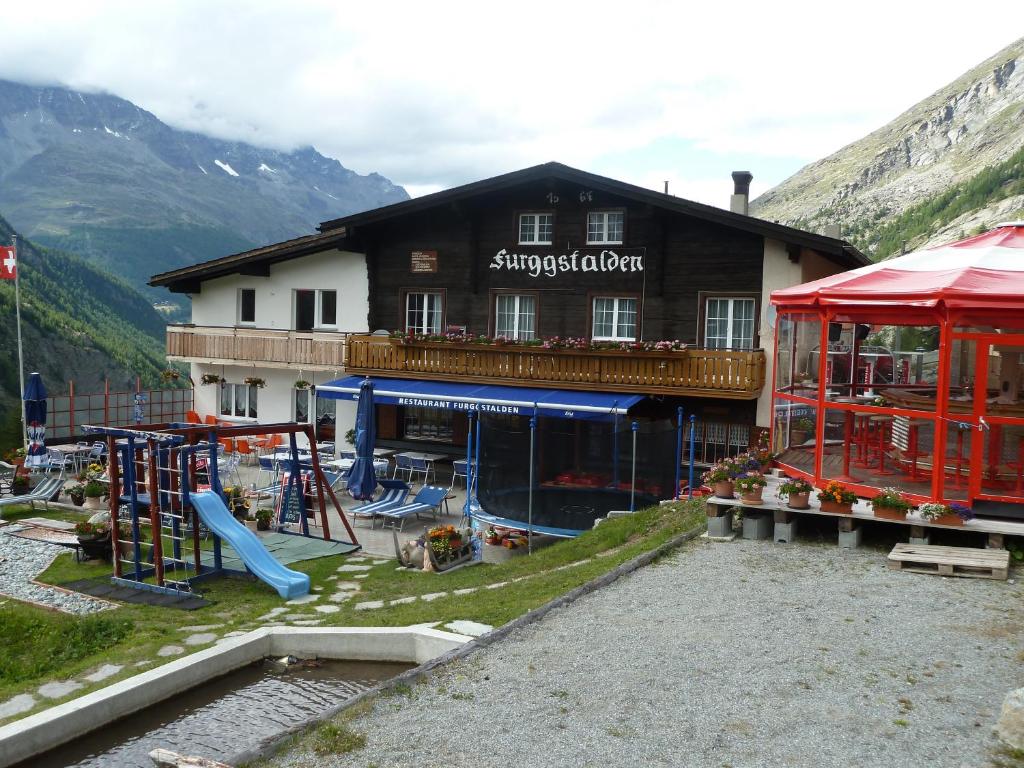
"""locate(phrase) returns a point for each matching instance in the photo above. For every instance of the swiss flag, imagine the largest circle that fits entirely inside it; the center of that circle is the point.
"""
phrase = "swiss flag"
(8, 262)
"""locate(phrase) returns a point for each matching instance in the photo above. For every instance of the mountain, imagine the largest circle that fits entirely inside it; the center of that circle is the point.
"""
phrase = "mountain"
(98, 176)
(949, 166)
(78, 323)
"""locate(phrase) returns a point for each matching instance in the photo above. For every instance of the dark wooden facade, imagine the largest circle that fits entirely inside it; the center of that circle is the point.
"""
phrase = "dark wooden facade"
(682, 256)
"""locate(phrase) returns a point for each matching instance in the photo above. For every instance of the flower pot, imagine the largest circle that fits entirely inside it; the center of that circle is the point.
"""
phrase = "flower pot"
(78, 500)
(251, 525)
(800, 500)
(724, 489)
(752, 497)
(838, 509)
(797, 437)
(950, 519)
(95, 546)
(262, 525)
(888, 513)
(93, 502)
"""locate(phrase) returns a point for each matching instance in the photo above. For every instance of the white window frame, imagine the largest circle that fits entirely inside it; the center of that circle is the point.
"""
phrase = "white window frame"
(517, 332)
(616, 309)
(536, 216)
(319, 316)
(232, 416)
(422, 327)
(241, 291)
(731, 320)
(604, 227)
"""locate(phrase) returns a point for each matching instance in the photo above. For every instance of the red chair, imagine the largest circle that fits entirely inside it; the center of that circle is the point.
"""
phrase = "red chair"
(192, 417)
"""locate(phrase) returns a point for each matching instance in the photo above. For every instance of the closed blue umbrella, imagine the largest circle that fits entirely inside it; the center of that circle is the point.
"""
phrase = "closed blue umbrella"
(35, 420)
(362, 479)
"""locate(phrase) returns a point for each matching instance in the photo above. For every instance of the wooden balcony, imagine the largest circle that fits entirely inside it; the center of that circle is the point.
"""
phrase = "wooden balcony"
(690, 373)
(270, 348)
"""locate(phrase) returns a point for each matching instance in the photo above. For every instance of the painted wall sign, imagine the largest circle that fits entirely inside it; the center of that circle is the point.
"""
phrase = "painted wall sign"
(423, 261)
(455, 405)
(551, 265)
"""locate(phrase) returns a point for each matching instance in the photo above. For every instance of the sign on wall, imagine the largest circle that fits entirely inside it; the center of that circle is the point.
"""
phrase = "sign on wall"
(608, 261)
(423, 261)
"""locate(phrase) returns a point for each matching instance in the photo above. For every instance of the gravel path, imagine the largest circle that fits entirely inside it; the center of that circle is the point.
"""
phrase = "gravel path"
(21, 560)
(741, 654)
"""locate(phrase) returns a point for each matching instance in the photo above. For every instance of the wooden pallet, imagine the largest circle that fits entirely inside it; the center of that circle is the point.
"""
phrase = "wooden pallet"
(951, 561)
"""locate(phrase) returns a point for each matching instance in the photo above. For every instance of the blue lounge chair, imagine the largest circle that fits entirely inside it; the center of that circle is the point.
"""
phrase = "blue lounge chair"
(44, 491)
(394, 495)
(427, 501)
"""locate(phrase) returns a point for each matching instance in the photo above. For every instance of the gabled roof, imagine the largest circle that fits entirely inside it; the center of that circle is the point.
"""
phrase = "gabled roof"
(255, 262)
(333, 233)
(840, 250)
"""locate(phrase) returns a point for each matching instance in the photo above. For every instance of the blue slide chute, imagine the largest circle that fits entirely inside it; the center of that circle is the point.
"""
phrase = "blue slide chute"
(215, 514)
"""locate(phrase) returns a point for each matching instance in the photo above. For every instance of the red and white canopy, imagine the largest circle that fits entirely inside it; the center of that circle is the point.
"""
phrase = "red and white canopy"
(983, 273)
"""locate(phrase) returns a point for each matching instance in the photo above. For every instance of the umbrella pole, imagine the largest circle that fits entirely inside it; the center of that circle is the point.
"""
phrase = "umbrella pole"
(21, 359)
(529, 514)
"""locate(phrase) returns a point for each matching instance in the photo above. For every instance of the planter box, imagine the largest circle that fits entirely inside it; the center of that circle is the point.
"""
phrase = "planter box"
(888, 513)
(838, 509)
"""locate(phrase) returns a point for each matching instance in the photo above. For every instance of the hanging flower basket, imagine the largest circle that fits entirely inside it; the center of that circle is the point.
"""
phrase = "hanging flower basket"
(302, 384)
(212, 378)
(255, 381)
(170, 375)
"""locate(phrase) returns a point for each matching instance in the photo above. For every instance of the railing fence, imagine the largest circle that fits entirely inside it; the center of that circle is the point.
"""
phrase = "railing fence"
(65, 414)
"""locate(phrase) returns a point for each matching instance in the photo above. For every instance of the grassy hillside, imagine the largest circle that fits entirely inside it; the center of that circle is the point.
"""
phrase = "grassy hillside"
(78, 323)
(884, 235)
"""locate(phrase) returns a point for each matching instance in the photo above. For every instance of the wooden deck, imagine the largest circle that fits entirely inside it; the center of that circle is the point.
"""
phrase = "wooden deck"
(691, 372)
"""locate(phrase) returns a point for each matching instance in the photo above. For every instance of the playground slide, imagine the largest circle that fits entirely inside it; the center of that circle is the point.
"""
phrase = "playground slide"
(288, 583)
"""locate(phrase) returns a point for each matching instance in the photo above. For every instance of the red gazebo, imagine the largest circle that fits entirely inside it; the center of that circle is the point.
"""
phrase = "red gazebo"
(919, 386)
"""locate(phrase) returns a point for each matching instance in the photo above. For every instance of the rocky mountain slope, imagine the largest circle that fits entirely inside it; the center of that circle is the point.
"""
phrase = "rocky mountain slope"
(98, 176)
(78, 323)
(949, 165)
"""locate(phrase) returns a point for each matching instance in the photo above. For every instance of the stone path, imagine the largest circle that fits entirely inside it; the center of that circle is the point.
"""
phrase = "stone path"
(21, 560)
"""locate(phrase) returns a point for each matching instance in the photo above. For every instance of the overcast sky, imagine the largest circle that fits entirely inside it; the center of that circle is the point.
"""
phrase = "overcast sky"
(436, 94)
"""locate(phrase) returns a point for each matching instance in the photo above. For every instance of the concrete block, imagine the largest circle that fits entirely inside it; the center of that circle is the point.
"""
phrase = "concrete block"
(850, 539)
(720, 527)
(757, 526)
(785, 533)
(926, 539)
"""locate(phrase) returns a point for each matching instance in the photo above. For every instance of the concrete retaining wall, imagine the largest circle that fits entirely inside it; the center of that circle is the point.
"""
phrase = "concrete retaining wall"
(55, 726)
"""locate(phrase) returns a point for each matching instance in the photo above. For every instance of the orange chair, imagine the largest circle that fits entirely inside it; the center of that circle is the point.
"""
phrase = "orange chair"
(192, 417)
(211, 420)
(228, 443)
(244, 450)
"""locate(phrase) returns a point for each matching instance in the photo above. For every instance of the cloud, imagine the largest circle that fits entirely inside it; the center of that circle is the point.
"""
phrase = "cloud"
(437, 94)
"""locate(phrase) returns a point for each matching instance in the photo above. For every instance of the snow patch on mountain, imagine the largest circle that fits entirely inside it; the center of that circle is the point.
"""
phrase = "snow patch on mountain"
(226, 168)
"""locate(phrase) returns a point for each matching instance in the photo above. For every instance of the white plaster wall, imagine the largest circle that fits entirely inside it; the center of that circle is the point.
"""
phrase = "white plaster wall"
(778, 272)
(275, 400)
(343, 271)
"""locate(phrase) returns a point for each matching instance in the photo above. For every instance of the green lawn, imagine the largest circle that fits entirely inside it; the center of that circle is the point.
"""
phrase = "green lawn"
(50, 646)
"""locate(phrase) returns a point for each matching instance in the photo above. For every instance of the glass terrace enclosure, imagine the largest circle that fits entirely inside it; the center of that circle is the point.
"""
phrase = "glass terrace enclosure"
(907, 373)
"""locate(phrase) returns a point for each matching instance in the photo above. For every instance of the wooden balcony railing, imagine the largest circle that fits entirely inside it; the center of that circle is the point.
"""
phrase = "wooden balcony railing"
(313, 351)
(693, 372)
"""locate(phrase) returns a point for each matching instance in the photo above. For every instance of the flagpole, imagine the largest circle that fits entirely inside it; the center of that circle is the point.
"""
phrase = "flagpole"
(21, 359)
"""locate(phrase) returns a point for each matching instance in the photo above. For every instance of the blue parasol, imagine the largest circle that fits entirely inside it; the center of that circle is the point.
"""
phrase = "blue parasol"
(362, 479)
(35, 421)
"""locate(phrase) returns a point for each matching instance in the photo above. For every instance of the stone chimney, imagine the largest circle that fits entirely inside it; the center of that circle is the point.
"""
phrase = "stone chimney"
(740, 200)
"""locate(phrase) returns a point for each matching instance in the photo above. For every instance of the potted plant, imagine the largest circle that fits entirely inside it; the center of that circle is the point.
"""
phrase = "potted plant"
(492, 537)
(170, 374)
(797, 491)
(941, 514)
(801, 430)
(255, 381)
(93, 492)
(721, 476)
(750, 487)
(763, 453)
(302, 384)
(890, 504)
(263, 518)
(836, 497)
(236, 502)
(15, 456)
(212, 378)
(76, 493)
(350, 437)
(19, 485)
(94, 539)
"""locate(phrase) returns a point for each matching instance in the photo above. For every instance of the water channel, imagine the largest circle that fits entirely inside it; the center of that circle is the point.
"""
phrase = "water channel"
(223, 717)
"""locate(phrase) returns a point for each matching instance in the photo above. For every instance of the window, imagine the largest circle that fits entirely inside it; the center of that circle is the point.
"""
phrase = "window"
(536, 228)
(605, 227)
(729, 323)
(515, 317)
(428, 424)
(247, 306)
(302, 406)
(423, 312)
(315, 309)
(238, 400)
(614, 319)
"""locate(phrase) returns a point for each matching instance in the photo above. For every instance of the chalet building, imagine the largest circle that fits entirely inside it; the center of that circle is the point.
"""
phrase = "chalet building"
(541, 261)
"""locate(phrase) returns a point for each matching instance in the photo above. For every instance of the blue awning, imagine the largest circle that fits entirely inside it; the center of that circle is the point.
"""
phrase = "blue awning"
(485, 398)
